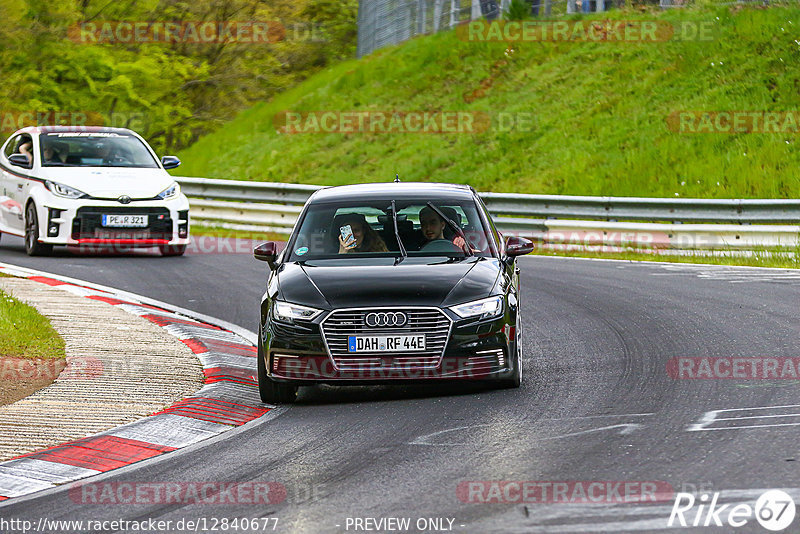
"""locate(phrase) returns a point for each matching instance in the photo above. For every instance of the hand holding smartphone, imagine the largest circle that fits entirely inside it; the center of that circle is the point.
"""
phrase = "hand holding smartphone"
(347, 238)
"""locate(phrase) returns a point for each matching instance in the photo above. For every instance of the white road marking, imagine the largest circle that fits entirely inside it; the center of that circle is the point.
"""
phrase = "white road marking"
(711, 417)
(627, 428)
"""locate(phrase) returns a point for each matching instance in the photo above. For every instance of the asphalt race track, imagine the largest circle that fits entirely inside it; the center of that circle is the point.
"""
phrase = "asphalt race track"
(597, 405)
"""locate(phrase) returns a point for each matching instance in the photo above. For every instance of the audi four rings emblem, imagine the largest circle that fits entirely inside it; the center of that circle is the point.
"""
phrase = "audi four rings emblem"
(386, 319)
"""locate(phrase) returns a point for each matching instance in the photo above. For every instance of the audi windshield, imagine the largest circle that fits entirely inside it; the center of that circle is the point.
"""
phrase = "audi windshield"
(391, 228)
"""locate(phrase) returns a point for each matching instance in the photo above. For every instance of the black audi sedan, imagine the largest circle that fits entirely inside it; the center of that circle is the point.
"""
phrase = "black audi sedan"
(390, 283)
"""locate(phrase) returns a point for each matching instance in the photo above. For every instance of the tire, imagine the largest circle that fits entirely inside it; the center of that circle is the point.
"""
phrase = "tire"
(172, 250)
(32, 245)
(515, 380)
(272, 392)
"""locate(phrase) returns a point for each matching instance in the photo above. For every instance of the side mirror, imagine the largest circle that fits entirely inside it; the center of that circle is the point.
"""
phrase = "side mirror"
(20, 160)
(518, 246)
(170, 162)
(266, 252)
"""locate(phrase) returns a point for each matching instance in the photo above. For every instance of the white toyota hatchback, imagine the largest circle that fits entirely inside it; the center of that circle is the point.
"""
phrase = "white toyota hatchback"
(90, 186)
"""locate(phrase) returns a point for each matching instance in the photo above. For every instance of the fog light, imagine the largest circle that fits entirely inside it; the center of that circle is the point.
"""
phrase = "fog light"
(183, 224)
(52, 224)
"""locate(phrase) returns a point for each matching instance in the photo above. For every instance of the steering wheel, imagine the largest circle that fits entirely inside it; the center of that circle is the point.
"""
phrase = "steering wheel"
(440, 245)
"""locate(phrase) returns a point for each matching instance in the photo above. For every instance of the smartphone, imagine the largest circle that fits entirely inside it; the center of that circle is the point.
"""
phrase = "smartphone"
(347, 233)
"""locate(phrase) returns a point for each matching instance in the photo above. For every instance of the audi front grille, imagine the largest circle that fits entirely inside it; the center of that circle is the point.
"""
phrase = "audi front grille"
(341, 324)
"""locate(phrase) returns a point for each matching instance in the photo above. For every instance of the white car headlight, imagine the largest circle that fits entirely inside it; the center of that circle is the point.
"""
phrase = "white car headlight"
(285, 311)
(170, 192)
(62, 190)
(483, 309)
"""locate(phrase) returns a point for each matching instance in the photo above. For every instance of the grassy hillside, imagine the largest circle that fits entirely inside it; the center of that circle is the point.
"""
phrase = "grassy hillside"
(600, 114)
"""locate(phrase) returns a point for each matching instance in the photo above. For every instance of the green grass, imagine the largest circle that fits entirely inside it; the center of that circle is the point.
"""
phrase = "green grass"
(759, 259)
(599, 113)
(216, 231)
(25, 333)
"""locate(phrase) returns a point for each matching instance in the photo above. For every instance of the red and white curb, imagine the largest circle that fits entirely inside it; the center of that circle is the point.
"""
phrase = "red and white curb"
(229, 398)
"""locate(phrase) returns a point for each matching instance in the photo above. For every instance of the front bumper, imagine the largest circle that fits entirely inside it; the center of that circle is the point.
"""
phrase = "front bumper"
(79, 223)
(475, 350)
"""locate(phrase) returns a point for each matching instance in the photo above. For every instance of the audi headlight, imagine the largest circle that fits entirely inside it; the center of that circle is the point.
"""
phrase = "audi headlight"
(287, 312)
(170, 192)
(481, 309)
(62, 190)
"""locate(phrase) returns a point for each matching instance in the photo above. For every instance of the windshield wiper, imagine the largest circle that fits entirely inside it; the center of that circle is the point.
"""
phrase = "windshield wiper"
(403, 251)
(467, 244)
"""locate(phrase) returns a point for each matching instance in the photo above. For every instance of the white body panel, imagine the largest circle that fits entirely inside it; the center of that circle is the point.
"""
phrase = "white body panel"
(103, 188)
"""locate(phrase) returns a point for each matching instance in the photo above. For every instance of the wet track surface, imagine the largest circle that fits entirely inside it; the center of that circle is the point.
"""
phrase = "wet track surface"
(597, 405)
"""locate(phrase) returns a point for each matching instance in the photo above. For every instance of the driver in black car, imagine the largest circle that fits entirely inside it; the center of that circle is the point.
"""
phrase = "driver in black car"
(432, 226)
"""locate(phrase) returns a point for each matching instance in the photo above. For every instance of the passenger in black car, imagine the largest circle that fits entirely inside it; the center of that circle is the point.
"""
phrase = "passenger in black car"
(365, 238)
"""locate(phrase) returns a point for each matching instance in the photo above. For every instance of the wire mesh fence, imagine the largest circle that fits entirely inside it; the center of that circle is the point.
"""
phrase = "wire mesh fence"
(387, 22)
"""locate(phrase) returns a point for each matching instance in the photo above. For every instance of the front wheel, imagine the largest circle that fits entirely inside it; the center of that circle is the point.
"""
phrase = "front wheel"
(515, 380)
(172, 250)
(32, 245)
(272, 392)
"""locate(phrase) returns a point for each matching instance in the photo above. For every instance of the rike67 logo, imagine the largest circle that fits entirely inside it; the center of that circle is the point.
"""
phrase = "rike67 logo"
(774, 510)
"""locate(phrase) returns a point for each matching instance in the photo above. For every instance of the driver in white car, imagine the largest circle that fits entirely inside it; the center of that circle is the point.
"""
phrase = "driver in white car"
(106, 152)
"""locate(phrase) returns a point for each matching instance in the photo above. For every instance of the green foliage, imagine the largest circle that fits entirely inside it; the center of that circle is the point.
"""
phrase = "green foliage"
(171, 92)
(518, 10)
(599, 113)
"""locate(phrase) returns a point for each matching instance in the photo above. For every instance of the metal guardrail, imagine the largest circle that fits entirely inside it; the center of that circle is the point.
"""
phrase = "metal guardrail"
(568, 220)
(645, 209)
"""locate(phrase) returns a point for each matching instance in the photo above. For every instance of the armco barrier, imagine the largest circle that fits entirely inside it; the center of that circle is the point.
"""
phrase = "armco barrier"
(686, 224)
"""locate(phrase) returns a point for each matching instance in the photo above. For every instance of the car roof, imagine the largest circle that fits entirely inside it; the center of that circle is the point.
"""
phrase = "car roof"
(64, 129)
(395, 190)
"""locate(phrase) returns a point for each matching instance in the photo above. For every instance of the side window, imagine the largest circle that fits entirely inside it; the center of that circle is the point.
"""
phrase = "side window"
(17, 142)
(11, 146)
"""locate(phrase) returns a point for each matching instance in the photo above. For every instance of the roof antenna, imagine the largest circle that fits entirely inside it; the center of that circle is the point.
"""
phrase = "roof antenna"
(397, 178)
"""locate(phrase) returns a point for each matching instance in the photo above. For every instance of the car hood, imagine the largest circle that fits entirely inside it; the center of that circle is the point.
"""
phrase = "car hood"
(111, 182)
(430, 282)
